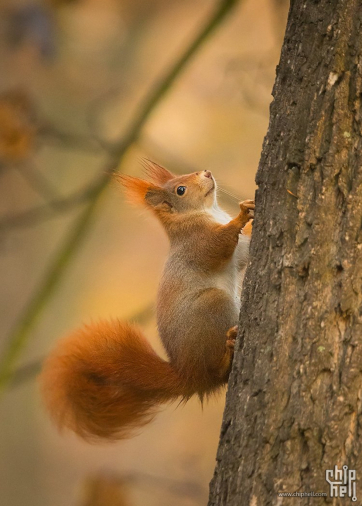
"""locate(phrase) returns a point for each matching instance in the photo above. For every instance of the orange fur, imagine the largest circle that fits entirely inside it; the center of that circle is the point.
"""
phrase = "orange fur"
(136, 189)
(157, 173)
(104, 380)
(247, 230)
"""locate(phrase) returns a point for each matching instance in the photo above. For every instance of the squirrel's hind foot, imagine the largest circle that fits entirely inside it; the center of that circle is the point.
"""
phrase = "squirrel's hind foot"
(227, 359)
(232, 333)
(231, 336)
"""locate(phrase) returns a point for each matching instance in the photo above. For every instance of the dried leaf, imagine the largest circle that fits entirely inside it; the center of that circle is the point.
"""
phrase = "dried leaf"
(17, 126)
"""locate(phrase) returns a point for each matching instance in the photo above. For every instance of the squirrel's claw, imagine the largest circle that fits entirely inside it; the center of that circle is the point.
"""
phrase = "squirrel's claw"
(249, 204)
(247, 207)
(246, 212)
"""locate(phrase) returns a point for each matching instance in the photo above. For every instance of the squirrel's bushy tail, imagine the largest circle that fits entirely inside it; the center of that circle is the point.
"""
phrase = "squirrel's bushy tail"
(105, 379)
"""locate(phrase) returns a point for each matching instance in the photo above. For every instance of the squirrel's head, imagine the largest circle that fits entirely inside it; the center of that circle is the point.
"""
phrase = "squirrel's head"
(176, 194)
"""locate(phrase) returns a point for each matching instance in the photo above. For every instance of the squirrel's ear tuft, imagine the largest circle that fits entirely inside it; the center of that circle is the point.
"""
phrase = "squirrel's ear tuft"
(140, 191)
(136, 189)
(156, 173)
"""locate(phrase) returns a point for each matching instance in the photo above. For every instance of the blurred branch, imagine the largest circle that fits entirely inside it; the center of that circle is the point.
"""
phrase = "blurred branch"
(50, 133)
(49, 210)
(37, 181)
(28, 371)
(109, 489)
(58, 206)
(94, 113)
(27, 321)
(104, 490)
(187, 489)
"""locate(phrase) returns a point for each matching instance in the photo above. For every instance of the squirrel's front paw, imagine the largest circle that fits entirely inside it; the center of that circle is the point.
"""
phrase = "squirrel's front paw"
(246, 211)
(247, 207)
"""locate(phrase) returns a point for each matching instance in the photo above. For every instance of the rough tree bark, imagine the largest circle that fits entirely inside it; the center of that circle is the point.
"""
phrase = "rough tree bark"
(295, 393)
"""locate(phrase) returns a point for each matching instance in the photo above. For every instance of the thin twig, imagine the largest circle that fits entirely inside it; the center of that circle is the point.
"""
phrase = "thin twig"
(27, 321)
(56, 207)
(37, 181)
(30, 370)
(52, 134)
(51, 209)
(190, 489)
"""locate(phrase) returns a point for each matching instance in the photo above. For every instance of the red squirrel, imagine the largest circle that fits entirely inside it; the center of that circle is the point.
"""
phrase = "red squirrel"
(104, 379)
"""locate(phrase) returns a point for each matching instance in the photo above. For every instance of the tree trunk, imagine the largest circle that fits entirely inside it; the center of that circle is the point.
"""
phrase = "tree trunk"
(294, 403)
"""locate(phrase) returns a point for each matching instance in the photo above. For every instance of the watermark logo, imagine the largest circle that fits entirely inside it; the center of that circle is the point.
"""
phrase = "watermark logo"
(342, 482)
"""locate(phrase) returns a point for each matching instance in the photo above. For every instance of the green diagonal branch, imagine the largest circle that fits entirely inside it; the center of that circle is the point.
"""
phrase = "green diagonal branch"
(27, 321)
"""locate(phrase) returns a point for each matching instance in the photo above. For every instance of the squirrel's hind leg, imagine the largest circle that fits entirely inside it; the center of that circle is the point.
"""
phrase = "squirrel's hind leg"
(227, 359)
(232, 333)
(231, 336)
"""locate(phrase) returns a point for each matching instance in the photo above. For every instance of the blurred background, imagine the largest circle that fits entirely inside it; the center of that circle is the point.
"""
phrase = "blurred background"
(73, 76)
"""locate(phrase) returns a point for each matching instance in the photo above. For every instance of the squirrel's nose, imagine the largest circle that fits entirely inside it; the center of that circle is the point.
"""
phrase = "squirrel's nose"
(207, 173)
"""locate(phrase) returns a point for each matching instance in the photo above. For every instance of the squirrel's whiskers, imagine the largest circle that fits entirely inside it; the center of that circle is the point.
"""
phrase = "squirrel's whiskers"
(228, 193)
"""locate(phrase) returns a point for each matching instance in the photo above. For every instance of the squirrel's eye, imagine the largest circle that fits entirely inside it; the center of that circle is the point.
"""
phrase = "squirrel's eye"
(181, 190)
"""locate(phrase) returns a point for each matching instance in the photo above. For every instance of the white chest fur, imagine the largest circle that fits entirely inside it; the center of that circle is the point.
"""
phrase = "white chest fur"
(228, 279)
(219, 215)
